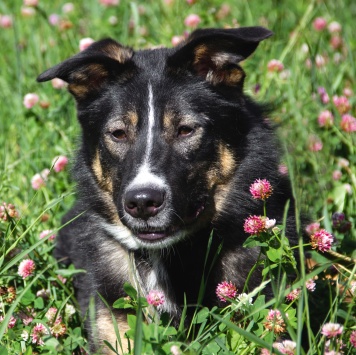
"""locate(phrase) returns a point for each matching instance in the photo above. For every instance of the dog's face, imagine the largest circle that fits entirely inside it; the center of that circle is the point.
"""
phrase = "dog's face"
(161, 130)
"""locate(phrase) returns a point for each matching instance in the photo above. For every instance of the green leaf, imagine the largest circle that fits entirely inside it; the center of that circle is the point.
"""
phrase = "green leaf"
(169, 331)
(53, 344)
(292, 319)
(39, 303)
(258, 304)
(74, 339)
(211, 349)
(247, 335)
(201, 316)
(3, 350)
(253, 241)
(77, 332)
(131, 321)
(275, 255)
(143, 301)
(28, 298)
(234, 339)
(341, 313)
(130, 290)
(222, 327)
(338, 195)
(128, 306)
(122, 304)
(69, 272)
(267, 269)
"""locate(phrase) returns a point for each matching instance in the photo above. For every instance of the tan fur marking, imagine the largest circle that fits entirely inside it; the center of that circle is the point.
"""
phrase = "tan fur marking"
(117, 52)
(78, 90)
(111, 208)
(227, 161)
(169, 124)
(200, 52)
(88, 79)
(133, 117)
(222, 171)
(210, 63)
(105, 331)
(212, 177)
(115, 256)
(230, 77)
(96, 166)
(167, 120)
(106, 184)
(236, 76)
(104, 181)
(227, 167)
(98, 70)
(221, 193)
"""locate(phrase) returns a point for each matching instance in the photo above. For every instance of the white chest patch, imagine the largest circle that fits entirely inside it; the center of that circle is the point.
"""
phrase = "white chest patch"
(158, 280)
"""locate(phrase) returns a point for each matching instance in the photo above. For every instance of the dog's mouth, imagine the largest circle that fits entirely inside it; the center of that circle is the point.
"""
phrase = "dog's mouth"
(154, 235)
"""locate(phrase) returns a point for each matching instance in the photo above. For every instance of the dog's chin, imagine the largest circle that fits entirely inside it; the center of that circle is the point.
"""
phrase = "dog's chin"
(136, 235)
(159, 232)
(170, 234)
(145, 239)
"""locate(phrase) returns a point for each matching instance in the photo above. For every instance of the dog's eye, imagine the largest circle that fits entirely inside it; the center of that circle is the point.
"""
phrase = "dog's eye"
(119, 134)
(184, 131)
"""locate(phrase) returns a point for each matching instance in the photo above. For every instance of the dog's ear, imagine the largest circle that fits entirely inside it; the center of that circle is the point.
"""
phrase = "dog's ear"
(214, 53)
(88, 70)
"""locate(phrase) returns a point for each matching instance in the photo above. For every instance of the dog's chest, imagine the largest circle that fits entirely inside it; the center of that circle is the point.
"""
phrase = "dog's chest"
(152, 275)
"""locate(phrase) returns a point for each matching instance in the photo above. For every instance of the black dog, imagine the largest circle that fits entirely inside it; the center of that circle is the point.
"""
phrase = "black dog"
(170, 146)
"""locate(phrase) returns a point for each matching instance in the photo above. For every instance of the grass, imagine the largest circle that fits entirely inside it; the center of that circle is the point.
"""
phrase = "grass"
(323, 174)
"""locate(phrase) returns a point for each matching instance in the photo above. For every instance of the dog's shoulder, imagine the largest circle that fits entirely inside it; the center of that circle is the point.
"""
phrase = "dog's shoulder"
(80, 237)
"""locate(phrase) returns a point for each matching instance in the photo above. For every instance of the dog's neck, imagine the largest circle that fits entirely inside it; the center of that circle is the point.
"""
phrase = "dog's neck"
(179, 271)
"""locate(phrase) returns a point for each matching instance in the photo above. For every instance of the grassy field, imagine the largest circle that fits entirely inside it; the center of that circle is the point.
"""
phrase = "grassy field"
(306, 71)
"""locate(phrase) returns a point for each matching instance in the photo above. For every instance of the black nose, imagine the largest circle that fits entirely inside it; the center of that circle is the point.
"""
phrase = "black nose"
(143, 203)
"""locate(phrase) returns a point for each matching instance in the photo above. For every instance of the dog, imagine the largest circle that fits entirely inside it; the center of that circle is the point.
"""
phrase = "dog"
(170, 145)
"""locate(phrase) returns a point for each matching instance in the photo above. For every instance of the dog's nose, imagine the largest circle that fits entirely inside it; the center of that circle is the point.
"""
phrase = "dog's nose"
(144, 203)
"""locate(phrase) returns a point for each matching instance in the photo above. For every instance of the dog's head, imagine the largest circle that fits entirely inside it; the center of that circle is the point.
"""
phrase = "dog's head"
(163, 131)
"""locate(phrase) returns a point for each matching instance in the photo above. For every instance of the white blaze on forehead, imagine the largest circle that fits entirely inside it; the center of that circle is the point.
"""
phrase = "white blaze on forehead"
(144, 176)
(151, 123)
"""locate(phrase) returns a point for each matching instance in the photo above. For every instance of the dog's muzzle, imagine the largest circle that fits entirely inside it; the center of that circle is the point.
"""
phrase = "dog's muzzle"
(144, 203)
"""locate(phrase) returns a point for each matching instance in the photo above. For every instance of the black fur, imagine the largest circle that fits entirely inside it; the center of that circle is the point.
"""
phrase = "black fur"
(209, 139)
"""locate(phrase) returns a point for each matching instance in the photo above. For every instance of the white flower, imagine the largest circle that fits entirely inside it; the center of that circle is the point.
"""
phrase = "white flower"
(269, 223)
(84, 43)
(24, 335)
(353, 287)
(245, 299)
(69, 310)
